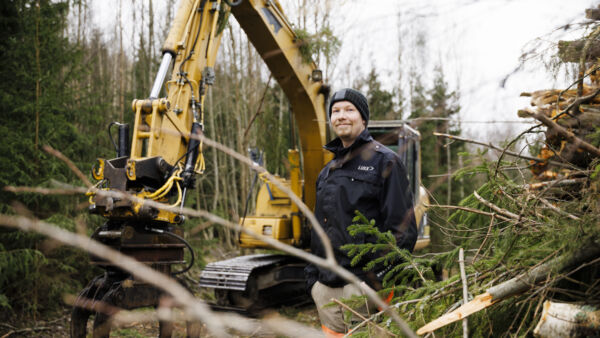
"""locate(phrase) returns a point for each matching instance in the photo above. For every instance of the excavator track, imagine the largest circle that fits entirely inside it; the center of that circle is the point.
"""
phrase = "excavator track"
(253, 283)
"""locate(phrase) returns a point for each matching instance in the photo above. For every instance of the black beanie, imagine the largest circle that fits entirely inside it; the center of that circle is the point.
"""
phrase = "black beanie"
(353, 96)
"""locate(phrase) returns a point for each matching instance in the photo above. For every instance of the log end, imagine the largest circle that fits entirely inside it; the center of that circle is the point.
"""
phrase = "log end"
(567, 320)
(524, 113)
(477, 304)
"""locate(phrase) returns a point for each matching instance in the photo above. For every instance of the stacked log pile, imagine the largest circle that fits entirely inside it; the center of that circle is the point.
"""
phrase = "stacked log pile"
(576, 109)
(577, 114)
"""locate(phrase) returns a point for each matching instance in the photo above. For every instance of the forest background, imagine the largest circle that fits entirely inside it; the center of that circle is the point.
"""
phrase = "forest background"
(65, 81)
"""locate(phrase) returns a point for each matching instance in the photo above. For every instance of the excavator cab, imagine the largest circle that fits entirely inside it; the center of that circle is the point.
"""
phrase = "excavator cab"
(405, 141)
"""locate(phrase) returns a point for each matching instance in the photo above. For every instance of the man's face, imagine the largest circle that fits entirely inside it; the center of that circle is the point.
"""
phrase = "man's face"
(346, 121)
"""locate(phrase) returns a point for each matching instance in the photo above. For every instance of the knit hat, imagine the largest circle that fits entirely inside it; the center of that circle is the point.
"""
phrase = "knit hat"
(353, 96)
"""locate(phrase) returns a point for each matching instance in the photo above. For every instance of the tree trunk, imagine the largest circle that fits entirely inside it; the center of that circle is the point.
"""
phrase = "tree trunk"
(527, 280)
(568, 320)
(38, 77)
(592, 13)
(151, 64)
(215, 158)
(121, 104)
(449, 173)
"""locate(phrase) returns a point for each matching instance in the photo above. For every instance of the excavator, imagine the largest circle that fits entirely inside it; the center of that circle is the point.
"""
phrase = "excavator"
(164, 155)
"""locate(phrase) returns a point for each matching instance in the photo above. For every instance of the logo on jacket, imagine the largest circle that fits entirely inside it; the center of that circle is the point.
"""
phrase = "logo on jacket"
(366, 167)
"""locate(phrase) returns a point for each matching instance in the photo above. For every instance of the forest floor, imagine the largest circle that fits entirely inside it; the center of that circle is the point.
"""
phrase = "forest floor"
(59, 326)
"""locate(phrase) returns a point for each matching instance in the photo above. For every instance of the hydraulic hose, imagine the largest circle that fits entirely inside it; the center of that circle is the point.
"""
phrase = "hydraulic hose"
(181, 239)
(123, 138)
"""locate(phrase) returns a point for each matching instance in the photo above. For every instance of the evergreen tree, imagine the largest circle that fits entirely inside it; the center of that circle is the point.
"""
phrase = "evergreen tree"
(435, 110)
(381, 101)
(43, 104)
(443, 107)
(383, 104)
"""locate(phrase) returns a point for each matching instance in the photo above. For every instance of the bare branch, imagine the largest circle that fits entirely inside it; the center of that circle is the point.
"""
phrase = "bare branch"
(45, 191)
(364, 322)
(262, 100)
(510, 153)
(289, 328)
(94, 305)
(69, 163)
(271, 324)
(486, 237)
(583, 99)
(22, 331)
(463, 277)
(579, 101)
(495, 207)
(473, 210)
(552, 207)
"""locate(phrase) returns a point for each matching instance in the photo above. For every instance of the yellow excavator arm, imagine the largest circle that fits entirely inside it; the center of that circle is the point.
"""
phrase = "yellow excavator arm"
(273, 37)
(163, 158)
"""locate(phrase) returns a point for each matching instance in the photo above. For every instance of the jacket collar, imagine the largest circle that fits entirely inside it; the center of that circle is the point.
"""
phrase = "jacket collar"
(338, 149)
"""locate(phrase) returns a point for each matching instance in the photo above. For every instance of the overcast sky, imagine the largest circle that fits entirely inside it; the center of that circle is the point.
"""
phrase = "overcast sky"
(478, 43)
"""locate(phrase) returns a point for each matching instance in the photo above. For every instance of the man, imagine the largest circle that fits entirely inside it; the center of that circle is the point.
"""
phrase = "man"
(365, 176)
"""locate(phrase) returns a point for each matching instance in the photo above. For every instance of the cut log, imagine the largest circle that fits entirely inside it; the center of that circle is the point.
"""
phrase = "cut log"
(592, 13)
(588, 120)
(514, 286)
(568, 320)
(570, 51)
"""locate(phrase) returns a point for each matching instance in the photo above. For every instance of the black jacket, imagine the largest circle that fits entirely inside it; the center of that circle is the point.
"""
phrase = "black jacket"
(370, 178)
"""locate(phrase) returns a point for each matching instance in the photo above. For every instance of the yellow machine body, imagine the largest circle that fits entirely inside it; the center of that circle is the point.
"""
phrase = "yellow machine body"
(275, 215)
